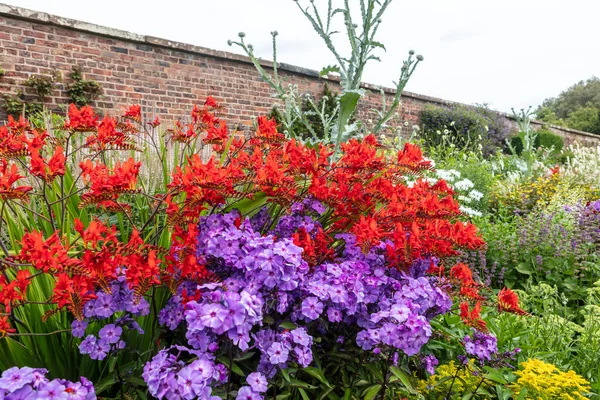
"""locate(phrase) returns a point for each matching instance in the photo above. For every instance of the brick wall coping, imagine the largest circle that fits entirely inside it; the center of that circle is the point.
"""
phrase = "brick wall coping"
(49, 19)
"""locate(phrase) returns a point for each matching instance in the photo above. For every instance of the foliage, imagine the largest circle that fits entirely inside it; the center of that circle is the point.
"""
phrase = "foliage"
(577, 107)
(43, 85)
(542, 380)
(325, 107)
(82, 91)
(363, 46)
(464, 127)
(17, 104)
(585, 119)
(543, 138)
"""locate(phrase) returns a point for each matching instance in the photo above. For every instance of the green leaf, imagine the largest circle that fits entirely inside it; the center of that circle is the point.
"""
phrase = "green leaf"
(494, 375)
(403, 378)
(288, 325)
(303, 394)
(371, 392)
(377, 44)
(524, 268)
(317, 373)
(522, 394)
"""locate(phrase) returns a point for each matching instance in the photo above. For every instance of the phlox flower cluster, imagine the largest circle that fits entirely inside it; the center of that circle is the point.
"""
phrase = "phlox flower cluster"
(170, 377)
(263, 276)
(31, 383)
(120, 299)
(481, 345)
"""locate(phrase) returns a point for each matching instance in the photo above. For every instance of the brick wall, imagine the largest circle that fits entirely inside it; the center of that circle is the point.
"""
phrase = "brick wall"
(165, 77)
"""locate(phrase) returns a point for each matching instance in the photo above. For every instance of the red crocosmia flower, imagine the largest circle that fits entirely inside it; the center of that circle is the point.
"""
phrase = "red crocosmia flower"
(509, 301)
(20, 126)
(5, 327)
(134, 112)
(106, 185)
(463, 273)
(108, 137)
(8, 176)
(472, 318)
(37, 142)
(154, 123)
(73, 293)
(412, 157)
(22, 281)
(47, 255)
(12, 143)
(267, 130)
(83, 120)
(217, 135)
(210, 102)
(367, 232)
(55, 166)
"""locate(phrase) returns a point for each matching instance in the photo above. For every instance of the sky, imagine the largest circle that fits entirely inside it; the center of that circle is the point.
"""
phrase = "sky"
(509, 53)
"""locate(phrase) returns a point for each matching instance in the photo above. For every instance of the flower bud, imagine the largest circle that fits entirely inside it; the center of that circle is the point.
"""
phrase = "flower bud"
(420, 57)
(229, 42)
(241, 34)
(411, 52)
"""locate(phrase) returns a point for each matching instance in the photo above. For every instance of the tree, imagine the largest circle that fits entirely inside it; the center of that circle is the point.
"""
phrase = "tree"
(578, 107)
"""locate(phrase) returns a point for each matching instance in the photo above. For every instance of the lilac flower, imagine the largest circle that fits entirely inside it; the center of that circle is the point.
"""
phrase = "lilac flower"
(312, 308)
(278, 354)
(257, 381)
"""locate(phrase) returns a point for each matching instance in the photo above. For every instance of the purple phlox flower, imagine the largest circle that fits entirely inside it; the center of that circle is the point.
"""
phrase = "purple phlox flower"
(481, 345)
(278, 353)
(304, 356)
(88, 345)
(429, 362)
(213, 315)
(25, 393)
(110, 333)
(52, 390)
(78, 328)
(191, 382)
(334, 314)
(246, 393)
(15, 378)
(257, 381)
(104, 306)
(312, 308)
(100, 351)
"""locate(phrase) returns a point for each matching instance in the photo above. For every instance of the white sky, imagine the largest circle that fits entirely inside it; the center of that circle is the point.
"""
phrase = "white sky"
(507, 53)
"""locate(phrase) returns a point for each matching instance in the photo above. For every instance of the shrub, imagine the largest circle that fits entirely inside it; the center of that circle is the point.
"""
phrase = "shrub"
(544, 138)
(466, 127)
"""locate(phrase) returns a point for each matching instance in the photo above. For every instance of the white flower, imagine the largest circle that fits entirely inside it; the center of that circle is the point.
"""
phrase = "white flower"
(470, 212)
(465, 184)
(475, 195)
(464, 199)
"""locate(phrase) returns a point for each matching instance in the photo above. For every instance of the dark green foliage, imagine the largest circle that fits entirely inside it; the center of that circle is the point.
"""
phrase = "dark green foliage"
(578, 107)
(550, 140)
(327, 99)
(43, 84)
(544, 138)
(82, 91)
(467, 127)
(16, 105)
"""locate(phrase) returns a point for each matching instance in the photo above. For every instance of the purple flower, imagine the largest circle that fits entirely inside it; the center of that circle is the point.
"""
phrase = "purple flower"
(246, 393)
(110, 333)
(88, 344)
(278, 354)
(104, 306)
(15, 378)
(482, 345)
(52, 390)
(191, 382)
(78, 328)
(312, 308)
(213, 315)
(257, 381)
(429, 362)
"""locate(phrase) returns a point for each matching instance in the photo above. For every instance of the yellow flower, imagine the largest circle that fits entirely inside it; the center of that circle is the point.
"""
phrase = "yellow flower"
(544, 381)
